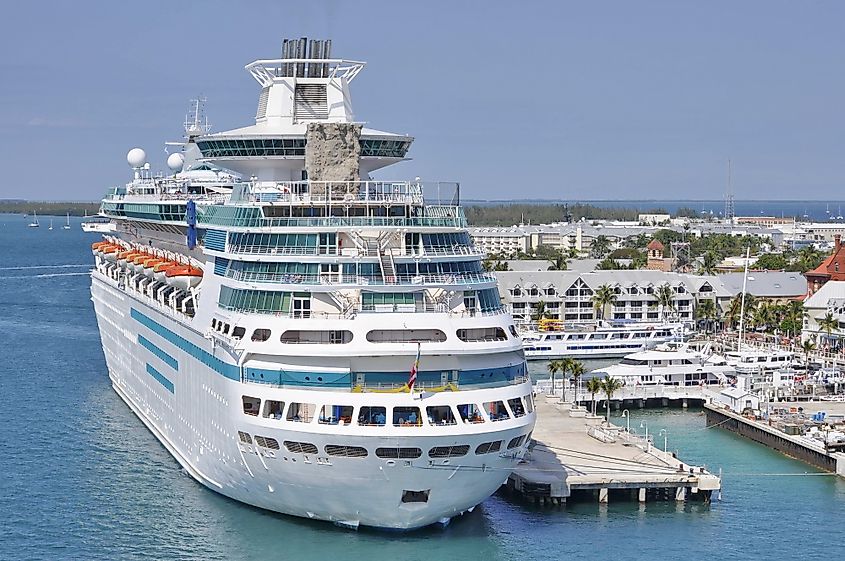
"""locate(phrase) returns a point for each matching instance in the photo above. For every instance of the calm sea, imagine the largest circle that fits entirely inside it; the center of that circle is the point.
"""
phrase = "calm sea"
(83, 479)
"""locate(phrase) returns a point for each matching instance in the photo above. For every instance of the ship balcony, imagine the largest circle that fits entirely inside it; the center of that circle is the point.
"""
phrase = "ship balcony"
(348, 193)
(335, 281)
(355, 252)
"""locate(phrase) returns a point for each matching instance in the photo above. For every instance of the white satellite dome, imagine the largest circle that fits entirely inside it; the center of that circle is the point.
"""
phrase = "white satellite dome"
(136, 158)
(175, 162)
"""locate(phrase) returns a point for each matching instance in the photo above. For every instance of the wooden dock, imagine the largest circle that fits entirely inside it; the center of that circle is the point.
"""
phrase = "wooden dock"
(575, 456)
(801, 448)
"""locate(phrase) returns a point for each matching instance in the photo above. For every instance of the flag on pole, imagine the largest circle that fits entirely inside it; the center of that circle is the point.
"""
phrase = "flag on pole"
(412, 379)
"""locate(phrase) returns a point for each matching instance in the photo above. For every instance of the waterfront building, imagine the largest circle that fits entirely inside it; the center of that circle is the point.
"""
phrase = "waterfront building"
(829, 299)
(831, 269)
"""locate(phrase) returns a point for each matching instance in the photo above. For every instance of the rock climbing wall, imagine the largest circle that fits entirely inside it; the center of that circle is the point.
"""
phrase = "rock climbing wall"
(332, 153)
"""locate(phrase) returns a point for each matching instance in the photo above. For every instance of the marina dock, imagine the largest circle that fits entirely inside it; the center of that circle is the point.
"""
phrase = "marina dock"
(575, 456)
(803, 448)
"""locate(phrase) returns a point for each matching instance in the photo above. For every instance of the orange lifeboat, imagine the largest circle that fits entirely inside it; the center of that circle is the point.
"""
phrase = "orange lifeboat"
(183, 276)
(110, 251)
(136, 263)
(124, 256)
(149, 265)
(160, 269)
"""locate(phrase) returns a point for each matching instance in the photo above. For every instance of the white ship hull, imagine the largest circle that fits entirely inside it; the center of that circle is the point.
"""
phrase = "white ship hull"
(199, 425)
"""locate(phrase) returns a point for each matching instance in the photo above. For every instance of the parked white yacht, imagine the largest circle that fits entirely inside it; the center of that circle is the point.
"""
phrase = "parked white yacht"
(601, 341)
(327, 347)
(671, 364)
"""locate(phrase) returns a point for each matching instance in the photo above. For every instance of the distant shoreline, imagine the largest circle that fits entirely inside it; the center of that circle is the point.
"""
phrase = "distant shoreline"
(50, 208)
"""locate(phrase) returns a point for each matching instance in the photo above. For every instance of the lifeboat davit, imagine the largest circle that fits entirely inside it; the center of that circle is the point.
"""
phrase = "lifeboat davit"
(160, 269)
(183, 276)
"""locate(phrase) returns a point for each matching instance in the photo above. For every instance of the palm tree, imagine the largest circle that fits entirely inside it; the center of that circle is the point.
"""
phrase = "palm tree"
(807, 346)
(708, 263)
(665, 297)
(603, 296)
(706, 310)
(610, 386)
(793, 318)
(594, 386)
(577, 370)
(734, 310)
(829, 324)
(600, 246)
(554, 367)
(558, 261)
(540, 311)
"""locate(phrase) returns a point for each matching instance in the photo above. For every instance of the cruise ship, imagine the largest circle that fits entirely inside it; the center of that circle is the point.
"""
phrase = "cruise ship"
(300, 336)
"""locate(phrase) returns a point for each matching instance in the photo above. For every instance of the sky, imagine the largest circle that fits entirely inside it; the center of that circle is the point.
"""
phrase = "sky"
(545, 100)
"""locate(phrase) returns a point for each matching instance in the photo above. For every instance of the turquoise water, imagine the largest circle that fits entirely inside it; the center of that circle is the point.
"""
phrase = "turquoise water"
(83, 479)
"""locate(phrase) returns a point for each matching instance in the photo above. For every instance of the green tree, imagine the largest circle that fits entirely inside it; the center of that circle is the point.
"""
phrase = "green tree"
(829, 324)
(603, 297)
(610, 386)
(540, 311)
(665, 297)
(577, 370)
(771, 262)
(708, 263)
(706, 311)
(808, 347)
(793, 318)
(594, 386)
(600, 246)
(608, 264)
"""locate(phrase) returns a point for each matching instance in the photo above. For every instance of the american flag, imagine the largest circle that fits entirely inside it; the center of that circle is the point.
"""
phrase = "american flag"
(412, 379)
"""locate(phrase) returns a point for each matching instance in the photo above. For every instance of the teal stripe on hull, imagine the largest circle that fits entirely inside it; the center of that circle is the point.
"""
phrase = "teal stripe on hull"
(160, 378)
(166, 358)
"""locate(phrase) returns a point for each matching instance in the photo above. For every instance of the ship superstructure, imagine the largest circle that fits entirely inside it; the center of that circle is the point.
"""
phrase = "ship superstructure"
(262, 306)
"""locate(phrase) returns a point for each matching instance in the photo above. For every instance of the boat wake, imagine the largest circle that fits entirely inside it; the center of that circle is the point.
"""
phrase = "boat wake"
(44, 275)
(26, 267)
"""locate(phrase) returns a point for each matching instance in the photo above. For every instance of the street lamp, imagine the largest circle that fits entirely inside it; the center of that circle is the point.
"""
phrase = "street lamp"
(647, 443)
(627, 420)
(665, 434)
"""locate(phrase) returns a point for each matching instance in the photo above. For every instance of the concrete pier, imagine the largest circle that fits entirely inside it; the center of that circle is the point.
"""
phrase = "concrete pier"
(574, 456)
(801, 448)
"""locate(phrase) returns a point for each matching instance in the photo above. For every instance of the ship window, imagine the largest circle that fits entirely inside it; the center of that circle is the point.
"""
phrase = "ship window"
(415, 496)
(440, 415)
(512, 329)
(267, 442)
(302, 336)
(213, 323)
(335, 414)
(372, 416)
(301, 412)
(399, 453)
(529, 403)
(251, 405)
(406, 336)
(346, 451)
(470, 413)
(239, 332)
(260, 335)
(496, 410)
(517, 407)
(406, 417)
(273, 409)
(300, 447)
(489, 447)
(244, 437)
(449, 451)
(480, 334)
(516, 442)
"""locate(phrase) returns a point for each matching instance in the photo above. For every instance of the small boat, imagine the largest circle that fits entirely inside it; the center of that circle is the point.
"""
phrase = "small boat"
(51, 224)
(34, 223)
(183, 276)
(67, 223)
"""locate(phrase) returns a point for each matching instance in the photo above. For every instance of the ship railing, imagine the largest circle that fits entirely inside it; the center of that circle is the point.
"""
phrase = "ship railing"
(456, 250)
(356, 280)
(351, 192)
(455, 220)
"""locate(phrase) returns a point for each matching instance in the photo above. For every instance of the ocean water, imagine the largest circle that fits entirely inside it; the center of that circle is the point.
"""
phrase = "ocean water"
(81, 478)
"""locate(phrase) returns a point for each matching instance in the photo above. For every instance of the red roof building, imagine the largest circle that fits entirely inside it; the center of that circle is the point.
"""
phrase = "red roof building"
(832, 268)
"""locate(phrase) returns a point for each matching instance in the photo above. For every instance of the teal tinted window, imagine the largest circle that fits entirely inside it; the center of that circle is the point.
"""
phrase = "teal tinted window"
(257, 301)
(369, 300)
